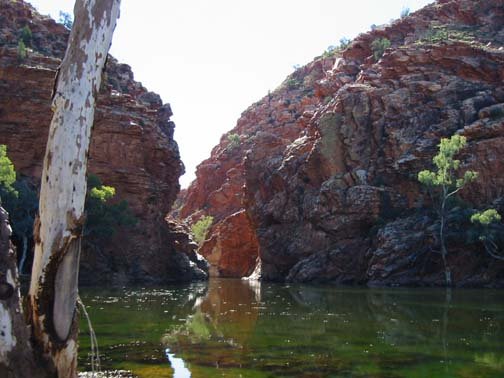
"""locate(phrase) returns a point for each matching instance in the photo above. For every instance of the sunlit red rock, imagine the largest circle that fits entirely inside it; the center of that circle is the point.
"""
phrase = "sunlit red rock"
(132, 147)
(328, 190)
(232, 249)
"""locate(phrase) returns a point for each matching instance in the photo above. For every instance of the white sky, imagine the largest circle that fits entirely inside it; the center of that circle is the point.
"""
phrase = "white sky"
(212, 59)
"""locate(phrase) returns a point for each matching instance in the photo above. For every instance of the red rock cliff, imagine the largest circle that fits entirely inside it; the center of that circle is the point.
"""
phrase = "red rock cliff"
(266, 127)
(132, 147)
(337, 198)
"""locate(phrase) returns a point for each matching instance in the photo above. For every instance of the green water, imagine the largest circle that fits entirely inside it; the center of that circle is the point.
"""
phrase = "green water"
(231, 328)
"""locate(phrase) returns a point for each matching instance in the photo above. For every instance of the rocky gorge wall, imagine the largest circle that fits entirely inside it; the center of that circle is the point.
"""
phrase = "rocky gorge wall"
(219, 189)
(132, 149)
(326, 170)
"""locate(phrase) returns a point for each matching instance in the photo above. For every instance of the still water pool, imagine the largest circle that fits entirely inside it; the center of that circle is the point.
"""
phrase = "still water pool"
(232, 328)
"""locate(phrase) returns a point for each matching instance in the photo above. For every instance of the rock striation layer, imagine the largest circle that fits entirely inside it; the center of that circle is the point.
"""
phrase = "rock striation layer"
(327, 171)
(132, 148)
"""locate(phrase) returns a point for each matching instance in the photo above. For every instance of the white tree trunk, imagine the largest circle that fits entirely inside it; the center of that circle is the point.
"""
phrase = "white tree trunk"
(8, 287)
(16, 355)
(53, 290)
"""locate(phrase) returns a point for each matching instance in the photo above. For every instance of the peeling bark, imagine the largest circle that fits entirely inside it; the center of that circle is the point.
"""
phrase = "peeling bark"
(53, 289)
(16, 355)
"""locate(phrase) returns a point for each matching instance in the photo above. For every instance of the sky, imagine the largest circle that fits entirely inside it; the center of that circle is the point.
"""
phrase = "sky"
(211, 60)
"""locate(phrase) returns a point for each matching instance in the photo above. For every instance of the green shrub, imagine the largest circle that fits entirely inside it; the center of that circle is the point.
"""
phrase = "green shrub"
(20, 201)
(490, 232)
(103, 218)
(7, 174)
(293, 83)
(200, 228)
(443, 33)
(22, 53)
(234, 141)
(26, 35)
(486, 217)
(330, 51)
(379, 46)
(435, 35)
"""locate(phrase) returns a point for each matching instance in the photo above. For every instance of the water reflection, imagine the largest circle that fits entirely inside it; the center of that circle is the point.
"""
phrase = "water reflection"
(179, 368)
(219, 330)
(232, 328)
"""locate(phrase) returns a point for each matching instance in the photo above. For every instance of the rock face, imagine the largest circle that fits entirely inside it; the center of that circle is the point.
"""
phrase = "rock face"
(219, 190)
(330, 184)
(132, 147)
(232, 249)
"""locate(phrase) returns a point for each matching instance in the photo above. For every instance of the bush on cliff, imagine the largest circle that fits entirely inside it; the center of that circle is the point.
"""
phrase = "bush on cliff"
(7, 174)
(103, 218)
(490, 231)
(200, 228)
(22, 52)
(234, 141)
(379, 46)
(26, 35)
(21, 202)
(332, 50)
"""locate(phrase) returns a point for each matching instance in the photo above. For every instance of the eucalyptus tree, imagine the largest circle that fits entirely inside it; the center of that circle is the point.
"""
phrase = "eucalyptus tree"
(57, 232)
(448, 183)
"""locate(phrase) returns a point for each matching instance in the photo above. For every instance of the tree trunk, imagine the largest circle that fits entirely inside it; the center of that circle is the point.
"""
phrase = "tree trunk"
(16, 357)
(53, 289)
(444, 251)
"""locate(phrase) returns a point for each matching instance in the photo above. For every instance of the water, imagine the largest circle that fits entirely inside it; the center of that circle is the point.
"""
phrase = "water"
(231, 328)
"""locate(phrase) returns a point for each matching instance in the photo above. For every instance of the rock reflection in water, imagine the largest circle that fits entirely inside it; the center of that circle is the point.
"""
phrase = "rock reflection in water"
(302, 331)
(233, 328)
(217, 333)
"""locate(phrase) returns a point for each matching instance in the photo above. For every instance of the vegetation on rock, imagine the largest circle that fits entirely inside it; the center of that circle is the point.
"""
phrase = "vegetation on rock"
(490, 231)
(21, 202)
(26, 35)
(103, 217)
(22, 52)
(447, 183)
(379, 46)
(438, 33)
(331, 50)
(200, 228)
(7, 174)
(234, 141)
